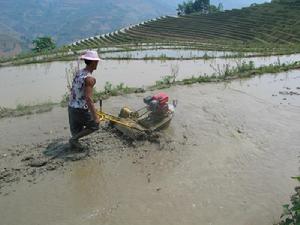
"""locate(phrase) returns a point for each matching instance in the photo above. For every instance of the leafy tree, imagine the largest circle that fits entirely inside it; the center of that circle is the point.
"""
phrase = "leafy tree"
(200, 6)
(43, 44)
(189, 7)
(220, 7)
(213, 9)
(186, 8)
(206, 4)
(180, 9)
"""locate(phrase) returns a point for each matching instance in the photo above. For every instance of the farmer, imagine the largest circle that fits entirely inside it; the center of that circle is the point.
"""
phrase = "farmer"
(82, 113)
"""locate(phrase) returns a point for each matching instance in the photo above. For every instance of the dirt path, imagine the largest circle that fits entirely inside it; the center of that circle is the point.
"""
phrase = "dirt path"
(227, 158)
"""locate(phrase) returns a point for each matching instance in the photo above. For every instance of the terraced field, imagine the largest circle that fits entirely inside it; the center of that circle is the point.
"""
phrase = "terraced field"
(260, 30)
(268, 26)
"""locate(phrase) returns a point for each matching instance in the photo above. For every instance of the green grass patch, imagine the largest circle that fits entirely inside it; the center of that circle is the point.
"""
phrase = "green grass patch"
(22, 110)
(291, 211)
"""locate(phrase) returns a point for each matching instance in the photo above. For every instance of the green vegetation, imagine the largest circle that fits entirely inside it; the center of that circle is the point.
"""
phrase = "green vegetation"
(42, 44)
(291, 212)
(242, 70)
(165, 81)
(111, 90)
(22, 110)
(198, 6)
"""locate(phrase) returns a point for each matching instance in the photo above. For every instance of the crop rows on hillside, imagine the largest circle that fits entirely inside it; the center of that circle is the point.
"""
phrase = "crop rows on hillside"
(268, 24)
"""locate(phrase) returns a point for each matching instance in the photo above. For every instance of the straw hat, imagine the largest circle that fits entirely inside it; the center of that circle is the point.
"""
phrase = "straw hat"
(91, 55)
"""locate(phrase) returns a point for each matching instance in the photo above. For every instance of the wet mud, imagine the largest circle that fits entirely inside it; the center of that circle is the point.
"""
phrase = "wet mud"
(28, 162)
(226, 158)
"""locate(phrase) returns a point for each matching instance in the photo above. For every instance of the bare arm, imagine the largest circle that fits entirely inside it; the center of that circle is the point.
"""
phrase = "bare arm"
(89, 84)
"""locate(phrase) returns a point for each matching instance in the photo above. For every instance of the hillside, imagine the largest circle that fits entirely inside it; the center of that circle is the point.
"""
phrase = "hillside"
(268, 25)
(11, 42)
(70, 20)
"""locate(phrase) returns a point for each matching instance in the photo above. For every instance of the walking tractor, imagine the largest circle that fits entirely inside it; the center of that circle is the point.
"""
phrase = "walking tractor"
(156, 115)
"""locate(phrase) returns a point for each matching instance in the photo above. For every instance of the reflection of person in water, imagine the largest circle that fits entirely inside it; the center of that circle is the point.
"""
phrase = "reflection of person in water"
(82, 112)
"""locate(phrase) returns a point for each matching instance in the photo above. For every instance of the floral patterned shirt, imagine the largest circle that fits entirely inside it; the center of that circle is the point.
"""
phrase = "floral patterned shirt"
(77, 95)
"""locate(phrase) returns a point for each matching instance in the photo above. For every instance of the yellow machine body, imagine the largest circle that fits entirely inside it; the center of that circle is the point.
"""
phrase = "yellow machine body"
(131, 123)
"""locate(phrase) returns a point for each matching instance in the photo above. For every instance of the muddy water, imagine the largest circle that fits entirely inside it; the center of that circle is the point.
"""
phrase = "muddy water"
(31, 84)
(283, 88)
(227, 158)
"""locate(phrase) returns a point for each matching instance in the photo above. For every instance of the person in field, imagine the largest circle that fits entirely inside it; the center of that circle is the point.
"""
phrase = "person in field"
(83, 119)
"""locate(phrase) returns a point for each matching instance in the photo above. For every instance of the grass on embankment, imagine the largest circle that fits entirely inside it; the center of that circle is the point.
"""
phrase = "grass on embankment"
(243, 70)
(22, 110)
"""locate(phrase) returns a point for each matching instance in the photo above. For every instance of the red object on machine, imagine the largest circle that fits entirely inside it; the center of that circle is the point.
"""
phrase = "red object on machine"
(162, 98)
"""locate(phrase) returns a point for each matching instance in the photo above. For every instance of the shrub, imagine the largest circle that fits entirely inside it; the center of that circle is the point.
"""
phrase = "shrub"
(291, 212)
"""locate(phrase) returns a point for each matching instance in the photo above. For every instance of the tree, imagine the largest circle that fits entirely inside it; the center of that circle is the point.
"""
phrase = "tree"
(213, 9)
(220, 7)
(180, 10)
(200, 6)
(206, 5)
(185, 8)
(43, 44)
(189, 7)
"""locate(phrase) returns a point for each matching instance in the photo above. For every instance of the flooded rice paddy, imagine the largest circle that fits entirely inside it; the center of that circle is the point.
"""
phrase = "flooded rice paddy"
(226, 158)
(38, 83)
(171, 53)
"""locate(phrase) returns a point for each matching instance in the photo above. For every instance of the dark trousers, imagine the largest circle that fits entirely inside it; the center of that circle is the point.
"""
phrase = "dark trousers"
(80, 119)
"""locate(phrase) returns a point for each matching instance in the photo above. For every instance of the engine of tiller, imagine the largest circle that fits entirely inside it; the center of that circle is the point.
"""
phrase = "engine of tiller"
(157, 104)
